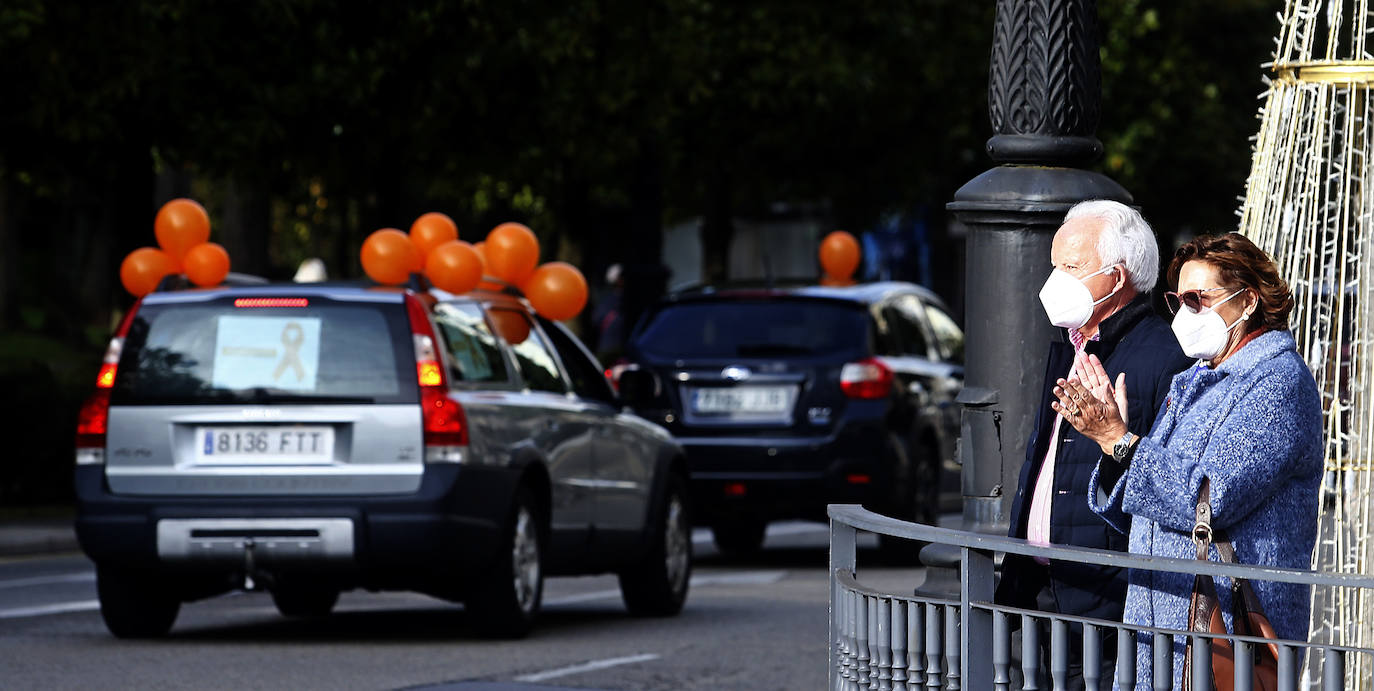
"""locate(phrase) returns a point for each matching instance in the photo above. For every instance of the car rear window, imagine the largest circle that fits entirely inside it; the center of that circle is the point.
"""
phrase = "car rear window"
(326, 351)
(755, 328)
(474, 354)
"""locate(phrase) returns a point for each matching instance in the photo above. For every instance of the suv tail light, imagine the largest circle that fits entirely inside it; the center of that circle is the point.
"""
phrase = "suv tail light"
(867, 378)
(92, 421)
(445, 423)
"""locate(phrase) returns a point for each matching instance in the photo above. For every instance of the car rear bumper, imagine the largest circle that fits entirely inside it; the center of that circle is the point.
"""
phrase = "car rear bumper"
(395, 540)
(785, 477)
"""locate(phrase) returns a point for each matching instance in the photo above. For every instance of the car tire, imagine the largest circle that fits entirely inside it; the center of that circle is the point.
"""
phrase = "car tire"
(304, 600)
(739, 538)
(135, 604)
(506, 599)
(657, 585)
(916, 500)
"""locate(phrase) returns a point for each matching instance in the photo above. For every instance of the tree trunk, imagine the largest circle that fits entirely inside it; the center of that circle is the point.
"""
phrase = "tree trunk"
(717, 229)
(244, 226)
(8, 249)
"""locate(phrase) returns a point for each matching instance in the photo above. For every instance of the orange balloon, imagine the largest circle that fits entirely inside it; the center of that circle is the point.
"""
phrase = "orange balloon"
(143, 269)
(431, 230)
(481, 249)
(206, 264)
(839, 255)
(180, 225)
(510, 325)
(512, 253)
(557, 290)
(454, 266)
(389, 256)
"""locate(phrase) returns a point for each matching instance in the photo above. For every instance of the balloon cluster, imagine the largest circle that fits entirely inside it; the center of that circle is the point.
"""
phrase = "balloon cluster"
(182, 229)
(509, 256)
(840, 258)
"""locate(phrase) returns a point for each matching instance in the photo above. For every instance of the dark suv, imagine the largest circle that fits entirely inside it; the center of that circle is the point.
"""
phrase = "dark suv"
(789, 399)
(309, 439)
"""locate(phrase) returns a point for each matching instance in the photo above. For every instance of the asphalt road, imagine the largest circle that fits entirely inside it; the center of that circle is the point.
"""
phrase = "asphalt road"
(754, 624)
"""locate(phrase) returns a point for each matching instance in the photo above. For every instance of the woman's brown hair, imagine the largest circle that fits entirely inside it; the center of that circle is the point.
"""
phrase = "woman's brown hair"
(1241, 265)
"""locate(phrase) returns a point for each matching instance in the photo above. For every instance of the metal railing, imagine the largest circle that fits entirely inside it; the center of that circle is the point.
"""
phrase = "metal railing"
(905, 642)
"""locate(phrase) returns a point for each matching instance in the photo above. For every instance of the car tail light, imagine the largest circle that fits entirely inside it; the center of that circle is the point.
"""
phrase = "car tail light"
(867, 378)
(445, 423)
(92, 422)
(272, 302)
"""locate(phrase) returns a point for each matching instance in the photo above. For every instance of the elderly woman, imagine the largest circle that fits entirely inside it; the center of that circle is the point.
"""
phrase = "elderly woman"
(1247, 416)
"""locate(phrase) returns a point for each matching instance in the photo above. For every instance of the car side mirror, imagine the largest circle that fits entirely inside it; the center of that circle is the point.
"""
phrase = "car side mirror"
(638, 387)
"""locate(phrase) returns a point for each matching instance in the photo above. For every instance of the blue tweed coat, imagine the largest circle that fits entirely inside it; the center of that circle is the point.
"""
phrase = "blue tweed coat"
(1254, 427)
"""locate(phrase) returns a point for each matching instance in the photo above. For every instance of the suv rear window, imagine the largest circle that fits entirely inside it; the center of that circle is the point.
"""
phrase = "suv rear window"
(755, 328)
(214, 352)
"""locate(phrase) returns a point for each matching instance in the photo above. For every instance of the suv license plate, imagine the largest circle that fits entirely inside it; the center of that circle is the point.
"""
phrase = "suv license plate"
(742, 399)
(236, 444)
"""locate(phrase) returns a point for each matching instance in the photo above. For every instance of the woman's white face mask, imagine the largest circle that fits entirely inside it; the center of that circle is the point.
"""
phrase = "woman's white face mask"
(1203, 334)
(1068, 303)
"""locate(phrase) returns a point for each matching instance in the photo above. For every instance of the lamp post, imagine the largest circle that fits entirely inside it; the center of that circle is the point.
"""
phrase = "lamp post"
(1044, 93)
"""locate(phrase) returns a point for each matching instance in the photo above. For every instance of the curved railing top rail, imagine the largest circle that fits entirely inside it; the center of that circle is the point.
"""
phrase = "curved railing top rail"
(863, 519)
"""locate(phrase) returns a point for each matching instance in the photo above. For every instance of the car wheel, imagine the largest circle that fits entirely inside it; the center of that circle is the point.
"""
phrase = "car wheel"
(135, 604)
(506, 600)
(304, 601)
(657, 585)
(739, 538)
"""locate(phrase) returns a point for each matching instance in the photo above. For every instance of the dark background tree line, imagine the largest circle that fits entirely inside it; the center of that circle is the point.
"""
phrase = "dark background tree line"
(303, 125)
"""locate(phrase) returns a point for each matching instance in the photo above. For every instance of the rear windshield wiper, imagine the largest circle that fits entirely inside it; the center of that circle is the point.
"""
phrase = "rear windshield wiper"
(772, 349)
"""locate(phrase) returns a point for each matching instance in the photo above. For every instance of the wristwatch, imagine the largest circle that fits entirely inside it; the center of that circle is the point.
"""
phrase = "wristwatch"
(1122, 449)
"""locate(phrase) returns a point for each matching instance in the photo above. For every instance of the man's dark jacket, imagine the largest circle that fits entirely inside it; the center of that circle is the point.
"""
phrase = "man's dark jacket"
(1139, 343)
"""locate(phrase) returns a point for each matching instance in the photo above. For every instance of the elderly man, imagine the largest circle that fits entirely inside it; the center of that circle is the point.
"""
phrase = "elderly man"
(1106, 261)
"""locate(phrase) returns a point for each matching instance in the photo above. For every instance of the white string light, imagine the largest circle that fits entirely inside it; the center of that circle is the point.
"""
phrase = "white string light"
(1309, 202)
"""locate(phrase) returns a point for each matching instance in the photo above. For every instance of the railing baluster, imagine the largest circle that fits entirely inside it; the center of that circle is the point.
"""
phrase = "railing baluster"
(1059, 654)
(1288, 669)
(1333, 671)
(1245, 665)
(861, 645)
(881, 616)
(952, 666)
(1125, 658)
(899, 663)
(840, 629)
(1201, 663)
(848, 667)
(935, 645)
(1030, 653)
(1092, 658)
(915, 646)
(1163, 648)
(1001, 651)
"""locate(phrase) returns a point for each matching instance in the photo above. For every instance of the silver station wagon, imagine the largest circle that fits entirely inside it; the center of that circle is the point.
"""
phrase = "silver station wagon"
(310, 439)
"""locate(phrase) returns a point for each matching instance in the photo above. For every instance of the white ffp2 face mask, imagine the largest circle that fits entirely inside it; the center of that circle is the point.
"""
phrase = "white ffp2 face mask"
(1203, 334)
(1068, 303)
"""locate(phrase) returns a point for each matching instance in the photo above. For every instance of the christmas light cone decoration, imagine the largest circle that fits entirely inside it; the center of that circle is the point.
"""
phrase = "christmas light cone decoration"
(1310, 203)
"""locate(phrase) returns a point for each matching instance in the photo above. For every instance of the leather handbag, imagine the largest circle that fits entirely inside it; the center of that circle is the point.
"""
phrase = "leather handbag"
(1204, 613)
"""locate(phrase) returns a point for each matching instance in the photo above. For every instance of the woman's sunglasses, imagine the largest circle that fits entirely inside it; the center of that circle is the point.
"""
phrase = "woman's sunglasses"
(1192, 299)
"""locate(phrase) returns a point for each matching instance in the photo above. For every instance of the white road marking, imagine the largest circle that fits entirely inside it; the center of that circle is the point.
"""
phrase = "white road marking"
(746, 578)
(84, 577)
(42, 610)
(585, 667)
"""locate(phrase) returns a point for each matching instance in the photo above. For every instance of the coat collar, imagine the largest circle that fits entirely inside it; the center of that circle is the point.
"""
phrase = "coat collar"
(1266, 346)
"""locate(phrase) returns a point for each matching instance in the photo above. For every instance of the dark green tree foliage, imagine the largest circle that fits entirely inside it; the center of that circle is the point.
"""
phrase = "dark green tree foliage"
(303, 125)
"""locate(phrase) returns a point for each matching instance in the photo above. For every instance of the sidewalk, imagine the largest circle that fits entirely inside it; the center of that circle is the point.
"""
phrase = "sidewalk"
(28, 536)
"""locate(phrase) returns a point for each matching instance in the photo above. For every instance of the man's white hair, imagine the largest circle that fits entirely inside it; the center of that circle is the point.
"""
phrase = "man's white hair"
(1125, 239)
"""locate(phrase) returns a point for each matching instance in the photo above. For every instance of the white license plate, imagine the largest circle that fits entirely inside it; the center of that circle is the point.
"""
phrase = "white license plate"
(742, 399)
(292, 443)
